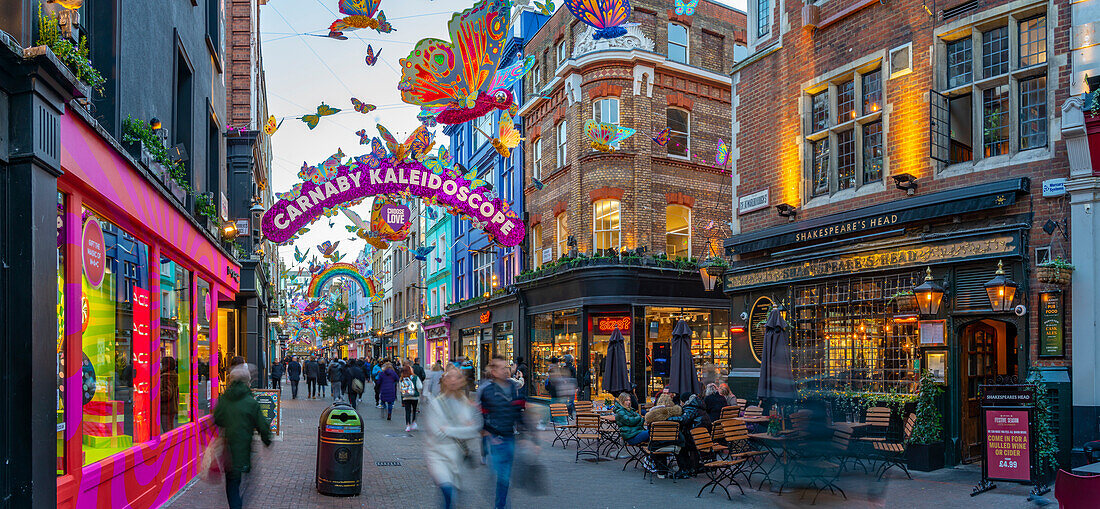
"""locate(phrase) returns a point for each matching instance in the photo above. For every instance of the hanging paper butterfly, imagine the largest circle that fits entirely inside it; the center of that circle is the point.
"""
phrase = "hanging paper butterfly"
(335, 256)
(471, 177)
(326, 248)
(376, 155)
(608, 17)
(362, 107)
(372, 57)
(323, 110)
(458, 79)
(686, 8)
(300, 256)
(431, 213)
(363, 138)
(662, 137)
(291, 195)
(723, 154)
(546, 9)
(416, 145)
(421, 253)
(359, 14)
(427, 117)
(331, 165)
(271, 125)
(537, 183)
(507, 140)
(439, 163)
(604, 136)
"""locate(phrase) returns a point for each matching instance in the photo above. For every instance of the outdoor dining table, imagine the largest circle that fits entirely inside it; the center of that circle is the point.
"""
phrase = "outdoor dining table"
(777, 448)
(1091, 469)
(610, 432)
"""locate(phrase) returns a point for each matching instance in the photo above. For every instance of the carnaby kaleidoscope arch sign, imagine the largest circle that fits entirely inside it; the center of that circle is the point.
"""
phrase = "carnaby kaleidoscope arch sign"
(354, 182)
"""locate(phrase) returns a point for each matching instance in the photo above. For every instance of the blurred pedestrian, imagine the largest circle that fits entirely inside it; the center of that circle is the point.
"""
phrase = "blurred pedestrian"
(453, 425)
(522, 375)
(714, 402)
(502, 408)
(312, 369)
(237, 416)
(294, 373)
(375, 371)
(411, 387)
(418, 370)
(322, 378)
(435, 375)
(335, 375)
(356, 380)
(387, 389)
(277, 369)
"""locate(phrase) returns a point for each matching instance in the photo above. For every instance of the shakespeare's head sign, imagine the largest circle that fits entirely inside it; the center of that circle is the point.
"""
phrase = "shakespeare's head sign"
(297, 209)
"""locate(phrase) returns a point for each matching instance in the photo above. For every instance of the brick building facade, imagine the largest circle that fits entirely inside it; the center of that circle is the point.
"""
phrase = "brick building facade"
(874, 142)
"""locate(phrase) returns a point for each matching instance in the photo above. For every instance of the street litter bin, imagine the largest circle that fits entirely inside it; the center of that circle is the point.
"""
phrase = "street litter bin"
(340, 451)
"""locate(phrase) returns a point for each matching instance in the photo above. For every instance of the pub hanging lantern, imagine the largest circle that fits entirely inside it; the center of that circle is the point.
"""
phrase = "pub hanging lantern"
(1001, 290)
(929, 295)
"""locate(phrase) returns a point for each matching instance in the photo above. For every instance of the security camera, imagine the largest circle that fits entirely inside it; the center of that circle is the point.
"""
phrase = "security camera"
(744, 316)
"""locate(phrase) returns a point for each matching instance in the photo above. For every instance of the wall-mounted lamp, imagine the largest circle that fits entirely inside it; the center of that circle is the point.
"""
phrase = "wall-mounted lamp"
(229, 231)
(155, 124)
(257, 207)
(905, 182)
(178, 153)
(1001, 290)
(929, 295)
(786, 210)
(1052, 226)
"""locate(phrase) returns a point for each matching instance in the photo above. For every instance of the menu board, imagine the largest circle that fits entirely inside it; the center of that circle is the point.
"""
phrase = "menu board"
(269, 406)
(758, 318)
(1008, 445)
(1051, 325)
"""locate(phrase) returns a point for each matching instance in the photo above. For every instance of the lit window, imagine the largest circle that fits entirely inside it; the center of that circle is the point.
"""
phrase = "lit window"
(536, 165)
(562, 227)
(606, 225)
(845, 101)
(1033, 41)
(563, 140)
(872, 151)
(846, 159)
(677, 43)
(872, 92)
(536, 245)
(995, 120)
(679, 126)
(1033, 113)
(678, 231)
(958, 63)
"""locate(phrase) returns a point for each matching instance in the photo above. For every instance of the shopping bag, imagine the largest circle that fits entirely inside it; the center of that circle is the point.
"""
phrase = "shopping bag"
(529, 474)
(214, 461)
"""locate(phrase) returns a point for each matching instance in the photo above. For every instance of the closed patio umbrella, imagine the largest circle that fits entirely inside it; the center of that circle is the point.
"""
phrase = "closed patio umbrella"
(616, 378)
(683, 378)
(776, 379)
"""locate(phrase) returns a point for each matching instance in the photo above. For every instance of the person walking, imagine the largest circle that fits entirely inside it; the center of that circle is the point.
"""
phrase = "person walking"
(237, 416)
(375, 371)
(435, 376)
(322, 378)
(277, 369)
(411, 388)
(452, 426)
(356, 380)
(502, 408)
(294, 373)
(522, 375)
(335, 373)
(312, 369)
(418, 370)
(387, 389)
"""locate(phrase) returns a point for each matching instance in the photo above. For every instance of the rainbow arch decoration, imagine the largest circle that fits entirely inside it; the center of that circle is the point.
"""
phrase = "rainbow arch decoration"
(345, 270)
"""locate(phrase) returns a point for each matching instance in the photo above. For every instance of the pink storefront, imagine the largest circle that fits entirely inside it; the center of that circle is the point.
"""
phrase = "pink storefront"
(437, 342)
(138, 324)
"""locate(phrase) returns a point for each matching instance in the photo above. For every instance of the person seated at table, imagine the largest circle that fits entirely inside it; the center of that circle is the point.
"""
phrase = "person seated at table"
(714, 402)
(693, 415)
(631, 425)
(724, 390)
(664, 409)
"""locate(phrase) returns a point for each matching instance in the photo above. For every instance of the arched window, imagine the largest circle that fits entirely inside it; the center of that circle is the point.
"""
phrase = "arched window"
(677, 43)
(678, 231)
(562, 226)
(606, 232)
(679, 126)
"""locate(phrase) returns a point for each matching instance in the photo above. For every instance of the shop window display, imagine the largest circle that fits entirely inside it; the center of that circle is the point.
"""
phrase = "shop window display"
(115, 339)
(553, 336)
(602, 327)
(175, 345)
(710, 343)
(504, 339)
(202, 348)
(60, 364)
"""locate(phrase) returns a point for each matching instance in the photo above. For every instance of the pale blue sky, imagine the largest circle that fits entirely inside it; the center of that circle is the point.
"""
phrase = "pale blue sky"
(302, 71)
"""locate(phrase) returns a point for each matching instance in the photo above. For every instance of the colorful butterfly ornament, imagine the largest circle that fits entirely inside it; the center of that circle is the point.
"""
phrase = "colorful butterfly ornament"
(372, 57)
(291, 195)
(546, 9)
(508, 138)
(605, 136)
(608, 17)
(440, 163)
(686, 8)
(427, 117)
(362, 107)
(457, 80)
(326, 248)
(417, 145)
(272, 125)
(471, 177)
(323, 110)
(359, 14)
(300, 256)
(537, 183)
(421, 253)
(723, 154)
(662, 137)
(376, 155)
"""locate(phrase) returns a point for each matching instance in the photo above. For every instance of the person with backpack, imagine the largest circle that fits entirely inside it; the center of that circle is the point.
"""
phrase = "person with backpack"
(410, 387)
(357, 380)
(387, 389)
(375, 371)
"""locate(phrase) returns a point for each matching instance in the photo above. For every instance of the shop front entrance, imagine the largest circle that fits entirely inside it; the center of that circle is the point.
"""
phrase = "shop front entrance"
(987, 349)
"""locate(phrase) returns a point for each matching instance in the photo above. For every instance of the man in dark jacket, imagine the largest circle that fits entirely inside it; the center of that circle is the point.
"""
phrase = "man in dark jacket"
(336, 376)
(693, 416)
(502, 408)
(313, 370)
(294, 373)
(238, 415)
(277, 369)
(355, 372)
(521, 368)
(418, 370)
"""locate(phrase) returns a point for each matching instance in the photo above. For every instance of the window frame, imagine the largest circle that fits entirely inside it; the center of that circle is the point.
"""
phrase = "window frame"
(687, 227)
(561, 137)
(561, 227)
(763, 17)
(673, 133)
(614, 233)
(597, 109)
(536, 158)
(686, 45)
(562, 51)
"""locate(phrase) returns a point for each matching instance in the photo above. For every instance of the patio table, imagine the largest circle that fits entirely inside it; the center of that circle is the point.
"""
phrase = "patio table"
(777, 448)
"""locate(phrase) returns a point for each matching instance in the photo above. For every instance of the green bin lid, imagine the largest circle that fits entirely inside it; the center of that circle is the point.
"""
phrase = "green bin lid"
(343, 417)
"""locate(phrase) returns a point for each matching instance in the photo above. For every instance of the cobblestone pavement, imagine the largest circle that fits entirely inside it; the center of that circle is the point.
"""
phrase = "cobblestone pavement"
(284, 478)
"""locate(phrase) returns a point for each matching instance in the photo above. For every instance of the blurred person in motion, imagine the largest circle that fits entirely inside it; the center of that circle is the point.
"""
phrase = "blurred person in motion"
(452, 426)
(502, 411)
(335, 375)
(277, 369)
(322, 377)
(418, 370)
(435, 376)
(237, 416)
(387, 389)
(312, 369)
(375, 371)
(356, 380)
(714, 402)
(294, 374)
(411, 388)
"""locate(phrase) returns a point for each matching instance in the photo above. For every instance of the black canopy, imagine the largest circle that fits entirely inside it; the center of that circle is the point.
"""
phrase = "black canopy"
(776, 379)
(616, 378)
(683, 378)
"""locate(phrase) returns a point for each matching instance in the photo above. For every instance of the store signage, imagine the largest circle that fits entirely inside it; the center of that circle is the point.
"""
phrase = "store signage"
(1007, 445)
(931, 332)
(484, 318)
(608, 325)
(309, 200)
(547, 255)
(755, 201)
(1051, 325)
(1054, 187)
(847, 227)
(142, 318)
(269, 406)
(758, 318)
(990, 246)
(93, 252)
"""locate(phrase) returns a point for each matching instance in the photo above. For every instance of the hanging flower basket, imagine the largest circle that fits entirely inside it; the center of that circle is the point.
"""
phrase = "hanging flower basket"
(1055, 274)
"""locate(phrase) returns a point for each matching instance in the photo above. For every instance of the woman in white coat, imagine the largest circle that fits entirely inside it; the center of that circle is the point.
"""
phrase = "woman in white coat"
(452, 430)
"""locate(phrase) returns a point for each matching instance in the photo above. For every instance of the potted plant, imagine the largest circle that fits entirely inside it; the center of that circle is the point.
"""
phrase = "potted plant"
(204, 207)
(74, 56)
(1044, 439)
(1056, 271)
(714, 266)
(925, 447)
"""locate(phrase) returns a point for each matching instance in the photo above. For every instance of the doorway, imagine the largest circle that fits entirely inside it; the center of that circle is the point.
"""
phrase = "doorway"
(987, 350)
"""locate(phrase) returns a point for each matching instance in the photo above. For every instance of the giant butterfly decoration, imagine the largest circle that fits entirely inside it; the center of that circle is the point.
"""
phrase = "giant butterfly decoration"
(608, 17)
(359, 14)
(458, 80)
(604, 136)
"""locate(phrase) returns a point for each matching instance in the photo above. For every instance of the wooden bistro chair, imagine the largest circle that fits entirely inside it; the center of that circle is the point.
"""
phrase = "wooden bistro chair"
(583, 407)
(754, 411)
(845, 449)
(637, 452)
(721, 472)
(740, 446)
(588, 436)
(563, 431)
(878, 423)
(894, 454)
(731, 412)
(742, 402)
(664, 441)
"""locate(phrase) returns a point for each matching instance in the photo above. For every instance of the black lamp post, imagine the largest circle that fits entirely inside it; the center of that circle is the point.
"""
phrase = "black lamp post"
(1001, 290)
(929, 295)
